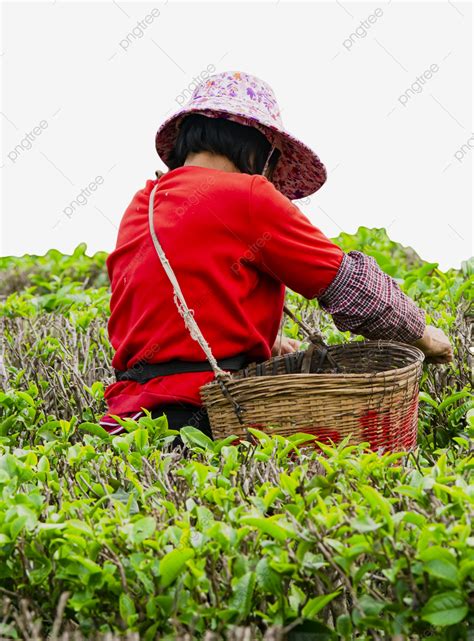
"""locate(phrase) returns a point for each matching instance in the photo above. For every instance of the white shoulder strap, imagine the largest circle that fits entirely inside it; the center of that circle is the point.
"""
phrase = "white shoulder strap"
(186, 313)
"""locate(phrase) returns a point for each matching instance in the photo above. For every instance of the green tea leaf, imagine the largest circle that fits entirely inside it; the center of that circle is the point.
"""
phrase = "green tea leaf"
(447, 608)
(440, 563)
(313, 606)
(172, 564)
(142, 529)
(270, 527)
(95, 429)
(126, 607)
(242, 590)
(193, 436)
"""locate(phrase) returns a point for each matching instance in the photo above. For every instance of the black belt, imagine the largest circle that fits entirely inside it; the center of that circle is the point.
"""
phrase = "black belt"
(142, 372)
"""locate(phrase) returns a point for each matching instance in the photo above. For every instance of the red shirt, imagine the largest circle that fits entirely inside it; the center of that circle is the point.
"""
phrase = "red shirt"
(234, 243)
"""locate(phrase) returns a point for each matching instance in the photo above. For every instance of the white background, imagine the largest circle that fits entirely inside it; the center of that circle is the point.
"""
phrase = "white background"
(394, 166)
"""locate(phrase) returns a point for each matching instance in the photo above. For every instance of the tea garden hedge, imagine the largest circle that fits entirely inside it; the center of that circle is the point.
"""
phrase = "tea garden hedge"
(127, 535)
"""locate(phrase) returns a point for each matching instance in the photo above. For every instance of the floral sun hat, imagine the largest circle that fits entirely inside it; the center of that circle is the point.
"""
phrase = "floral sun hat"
(246, 99)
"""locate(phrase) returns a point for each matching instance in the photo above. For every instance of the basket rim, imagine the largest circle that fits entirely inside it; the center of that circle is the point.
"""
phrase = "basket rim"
(382, 342)
(420, 357)
(337, 378)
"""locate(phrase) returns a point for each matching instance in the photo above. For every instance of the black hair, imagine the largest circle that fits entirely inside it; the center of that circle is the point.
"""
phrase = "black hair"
(245, 146)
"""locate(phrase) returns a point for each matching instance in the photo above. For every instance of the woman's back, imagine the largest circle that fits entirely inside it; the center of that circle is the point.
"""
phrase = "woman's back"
(222, 233)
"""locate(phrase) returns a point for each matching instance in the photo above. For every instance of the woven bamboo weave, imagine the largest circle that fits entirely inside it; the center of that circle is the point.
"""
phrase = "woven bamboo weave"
(371, 397)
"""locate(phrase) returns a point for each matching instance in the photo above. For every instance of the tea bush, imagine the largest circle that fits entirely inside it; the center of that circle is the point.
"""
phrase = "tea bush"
(269, 539)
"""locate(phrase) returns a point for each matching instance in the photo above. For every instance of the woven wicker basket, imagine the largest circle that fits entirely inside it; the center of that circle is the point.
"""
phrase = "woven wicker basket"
(372, 398)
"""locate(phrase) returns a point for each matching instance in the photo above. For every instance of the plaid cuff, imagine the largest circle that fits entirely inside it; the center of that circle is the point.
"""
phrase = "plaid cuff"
(364, 300)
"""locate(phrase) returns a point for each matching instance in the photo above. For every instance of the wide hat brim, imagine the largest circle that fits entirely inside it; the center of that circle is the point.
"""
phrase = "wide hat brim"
(299, 171)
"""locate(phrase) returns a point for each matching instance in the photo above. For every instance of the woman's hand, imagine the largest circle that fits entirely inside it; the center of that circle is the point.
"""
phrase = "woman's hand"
(435, 345)
(284, 345)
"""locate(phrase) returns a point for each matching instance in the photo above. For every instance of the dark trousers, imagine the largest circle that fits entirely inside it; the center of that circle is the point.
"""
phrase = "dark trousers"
(180, 415)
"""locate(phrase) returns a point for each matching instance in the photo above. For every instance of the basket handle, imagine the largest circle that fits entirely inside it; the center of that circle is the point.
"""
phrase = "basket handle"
(317, 339)
(313, 335)
(186, 313)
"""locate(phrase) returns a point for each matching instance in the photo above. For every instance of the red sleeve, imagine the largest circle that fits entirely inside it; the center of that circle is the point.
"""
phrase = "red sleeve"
(286, 245)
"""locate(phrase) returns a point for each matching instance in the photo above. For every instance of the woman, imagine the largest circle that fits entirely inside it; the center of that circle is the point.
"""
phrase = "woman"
(224, 218)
